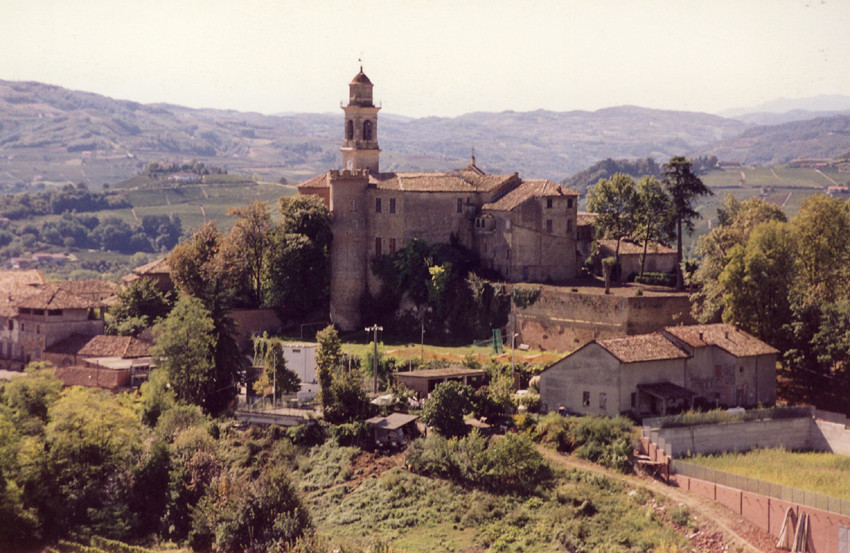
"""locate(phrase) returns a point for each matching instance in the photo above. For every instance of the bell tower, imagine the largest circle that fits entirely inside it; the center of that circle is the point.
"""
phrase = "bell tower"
(360, 147)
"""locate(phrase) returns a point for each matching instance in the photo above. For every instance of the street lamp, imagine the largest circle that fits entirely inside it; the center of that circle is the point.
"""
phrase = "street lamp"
(375, 329)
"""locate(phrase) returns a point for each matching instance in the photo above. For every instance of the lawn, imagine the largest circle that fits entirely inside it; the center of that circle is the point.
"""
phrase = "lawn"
(825, 473)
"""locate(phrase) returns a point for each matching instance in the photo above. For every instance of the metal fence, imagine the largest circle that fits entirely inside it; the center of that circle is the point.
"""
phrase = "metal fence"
(777, 491)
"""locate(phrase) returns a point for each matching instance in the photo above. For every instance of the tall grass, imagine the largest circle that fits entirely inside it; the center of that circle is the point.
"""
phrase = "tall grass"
(819, 472)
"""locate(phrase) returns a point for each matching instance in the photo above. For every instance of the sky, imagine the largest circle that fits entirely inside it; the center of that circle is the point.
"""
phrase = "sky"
(433, 58)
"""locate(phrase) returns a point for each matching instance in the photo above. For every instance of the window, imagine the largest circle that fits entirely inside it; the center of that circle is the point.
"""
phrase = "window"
(377, 205)
(349, 130)
(392, 205)
(548, 225)
(569, 203)
(741, 370)
(460, 205)
(585, 399)
(549, 202)
(392, 246)
(38, 331)
(367, 130)
(603, 401)
(569, 225)
(378, 246)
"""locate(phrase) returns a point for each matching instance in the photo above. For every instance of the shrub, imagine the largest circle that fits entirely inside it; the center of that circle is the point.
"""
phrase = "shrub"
(658, 279)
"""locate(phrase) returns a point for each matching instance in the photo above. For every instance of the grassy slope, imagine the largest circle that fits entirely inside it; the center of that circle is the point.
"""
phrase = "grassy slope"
(825, 473)
(419, 514)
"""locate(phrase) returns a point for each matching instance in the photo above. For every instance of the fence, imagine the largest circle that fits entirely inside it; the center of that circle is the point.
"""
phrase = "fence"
(776, 491)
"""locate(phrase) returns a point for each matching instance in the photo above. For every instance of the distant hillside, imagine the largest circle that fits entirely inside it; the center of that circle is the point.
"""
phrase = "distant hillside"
(824, 137)
(818, 106)
(50, 135)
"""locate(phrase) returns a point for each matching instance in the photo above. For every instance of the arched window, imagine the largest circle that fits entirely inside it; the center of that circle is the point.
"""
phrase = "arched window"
(349, 130)
(367, 130)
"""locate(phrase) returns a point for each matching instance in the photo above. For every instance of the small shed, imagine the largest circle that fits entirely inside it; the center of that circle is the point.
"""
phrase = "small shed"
(393, 430)
(423, 382)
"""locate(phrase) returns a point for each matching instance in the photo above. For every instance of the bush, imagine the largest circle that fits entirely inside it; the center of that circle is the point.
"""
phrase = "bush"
(507, 464)
(658, 279)
(599, 439)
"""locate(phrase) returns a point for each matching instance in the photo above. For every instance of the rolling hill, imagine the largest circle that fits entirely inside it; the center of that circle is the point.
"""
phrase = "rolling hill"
(50, 135)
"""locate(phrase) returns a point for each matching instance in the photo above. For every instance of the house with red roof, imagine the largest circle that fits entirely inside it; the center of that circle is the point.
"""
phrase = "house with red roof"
(35, 314)
(653, 374)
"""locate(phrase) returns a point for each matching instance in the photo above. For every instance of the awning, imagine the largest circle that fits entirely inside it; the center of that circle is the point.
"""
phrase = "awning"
(666, 391)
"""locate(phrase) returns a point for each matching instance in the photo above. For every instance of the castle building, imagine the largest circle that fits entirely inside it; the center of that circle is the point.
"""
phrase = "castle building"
(525, 229)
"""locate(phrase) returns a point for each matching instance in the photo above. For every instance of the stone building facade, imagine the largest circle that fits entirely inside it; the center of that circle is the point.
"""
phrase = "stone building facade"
(651, 374)
(524, 229)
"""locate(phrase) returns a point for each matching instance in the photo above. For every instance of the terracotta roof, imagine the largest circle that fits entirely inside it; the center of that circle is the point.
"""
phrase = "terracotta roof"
(125, 347)
(56, 298)
(94, 290)
(585, 218)
(629, 248)
(30, 277)
(320, 181)
(465, 180)
(529, 189)
(646, 347)
(158, 267)
(725, 336)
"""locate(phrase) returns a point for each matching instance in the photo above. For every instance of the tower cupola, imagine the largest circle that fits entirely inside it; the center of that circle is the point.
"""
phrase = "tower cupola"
(360, 145)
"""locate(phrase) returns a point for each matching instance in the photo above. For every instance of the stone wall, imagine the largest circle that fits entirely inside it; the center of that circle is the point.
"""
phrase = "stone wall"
(823, 432)
(563, 319)
(735, 436)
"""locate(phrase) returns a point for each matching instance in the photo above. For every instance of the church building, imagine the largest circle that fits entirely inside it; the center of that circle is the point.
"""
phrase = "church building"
(525, 229)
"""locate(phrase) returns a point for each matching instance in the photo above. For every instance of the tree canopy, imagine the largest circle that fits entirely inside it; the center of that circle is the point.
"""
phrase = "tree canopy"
(683, 186)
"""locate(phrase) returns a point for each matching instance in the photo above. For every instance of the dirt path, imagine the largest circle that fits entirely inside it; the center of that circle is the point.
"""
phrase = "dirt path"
(719, 528)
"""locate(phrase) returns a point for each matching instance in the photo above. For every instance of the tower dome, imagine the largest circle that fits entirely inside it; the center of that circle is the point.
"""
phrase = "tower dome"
(360, 146)
(360, 91)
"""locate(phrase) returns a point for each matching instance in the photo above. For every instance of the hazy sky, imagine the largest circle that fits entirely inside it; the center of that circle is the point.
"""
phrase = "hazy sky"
(434, 57)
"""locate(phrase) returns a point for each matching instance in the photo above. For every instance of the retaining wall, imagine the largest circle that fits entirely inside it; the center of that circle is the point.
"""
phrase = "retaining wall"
(768, 513)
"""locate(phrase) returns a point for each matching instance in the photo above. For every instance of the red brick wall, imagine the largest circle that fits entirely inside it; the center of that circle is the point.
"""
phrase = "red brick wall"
(768, 513)
(728, 497)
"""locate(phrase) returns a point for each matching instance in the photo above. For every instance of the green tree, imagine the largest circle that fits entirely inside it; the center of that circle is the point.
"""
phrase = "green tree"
(140, 305)
(822, 228)
(615, 201)
(268, 353)
(205, 269)
(758, 279)
(342, 395)
(683, 186)
(185, 350)
(249, 240)
(652, 220)
(736, 222)
(445, 409)
(91, 445)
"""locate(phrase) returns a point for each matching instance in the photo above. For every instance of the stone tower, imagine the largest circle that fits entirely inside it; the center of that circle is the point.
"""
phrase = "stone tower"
(348, 203)
(360, 148)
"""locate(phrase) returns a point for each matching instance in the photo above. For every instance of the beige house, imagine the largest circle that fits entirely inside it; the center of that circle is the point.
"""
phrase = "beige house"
(652, 374)
(524, 229)
(35, 315)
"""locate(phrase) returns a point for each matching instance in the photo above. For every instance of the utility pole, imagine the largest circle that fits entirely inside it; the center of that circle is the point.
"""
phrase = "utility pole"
(375, 329)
